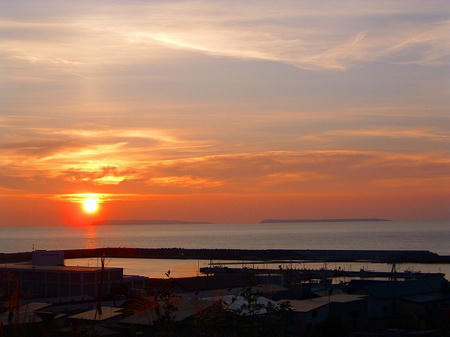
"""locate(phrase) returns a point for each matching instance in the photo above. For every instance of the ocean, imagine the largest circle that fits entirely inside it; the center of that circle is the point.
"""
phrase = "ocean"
(403, 235)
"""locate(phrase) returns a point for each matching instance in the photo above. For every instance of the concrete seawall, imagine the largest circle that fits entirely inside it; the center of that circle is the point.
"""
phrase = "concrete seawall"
(381, 256)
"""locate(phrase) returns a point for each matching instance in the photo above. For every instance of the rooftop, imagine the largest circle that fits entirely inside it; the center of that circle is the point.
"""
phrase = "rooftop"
(427, 298)
(304, 305)
(186, 306)
(396, 289)
(340, 298)
(23, 315)
(33, 306)
(93, 315)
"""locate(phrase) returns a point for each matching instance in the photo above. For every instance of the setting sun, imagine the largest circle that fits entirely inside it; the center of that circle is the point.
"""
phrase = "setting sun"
(90, 205)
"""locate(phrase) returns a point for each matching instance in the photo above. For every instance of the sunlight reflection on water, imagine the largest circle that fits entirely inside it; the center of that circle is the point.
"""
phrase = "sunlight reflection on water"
(433, 236)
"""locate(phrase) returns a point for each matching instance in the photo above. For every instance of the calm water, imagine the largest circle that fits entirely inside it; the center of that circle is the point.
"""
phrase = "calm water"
(181, 268)
(433, 236)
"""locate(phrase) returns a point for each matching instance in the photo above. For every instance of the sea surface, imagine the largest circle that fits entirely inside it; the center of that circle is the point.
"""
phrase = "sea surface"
(432, 236)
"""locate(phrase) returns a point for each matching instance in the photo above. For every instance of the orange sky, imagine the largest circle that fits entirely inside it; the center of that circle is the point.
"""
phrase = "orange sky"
(306, 110)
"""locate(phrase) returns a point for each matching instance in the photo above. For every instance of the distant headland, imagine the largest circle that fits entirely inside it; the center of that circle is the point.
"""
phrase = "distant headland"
(321, 220)
(148, 222)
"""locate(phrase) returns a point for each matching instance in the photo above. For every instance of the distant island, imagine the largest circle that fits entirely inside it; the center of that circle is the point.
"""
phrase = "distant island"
(321, 220)
(148, 222)
(128, 222)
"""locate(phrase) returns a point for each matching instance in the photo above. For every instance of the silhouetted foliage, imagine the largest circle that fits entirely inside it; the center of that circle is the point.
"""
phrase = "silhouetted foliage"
(332, 327)
(248, 321)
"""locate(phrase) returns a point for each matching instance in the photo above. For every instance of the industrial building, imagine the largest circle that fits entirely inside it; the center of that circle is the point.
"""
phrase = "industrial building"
(45, 277)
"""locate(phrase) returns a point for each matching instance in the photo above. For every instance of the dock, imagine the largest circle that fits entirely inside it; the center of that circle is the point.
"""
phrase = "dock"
(309, 274)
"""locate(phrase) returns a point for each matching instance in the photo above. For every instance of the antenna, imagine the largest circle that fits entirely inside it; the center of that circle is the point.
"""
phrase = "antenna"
(98, 310)
(394, 272)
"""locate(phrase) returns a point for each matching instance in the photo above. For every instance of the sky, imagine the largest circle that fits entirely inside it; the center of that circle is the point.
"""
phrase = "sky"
(224, 111)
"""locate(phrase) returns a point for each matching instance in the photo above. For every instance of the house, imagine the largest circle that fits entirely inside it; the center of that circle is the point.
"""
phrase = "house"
(426, 311)
(384, 297)
(308, 313)
(349, 309)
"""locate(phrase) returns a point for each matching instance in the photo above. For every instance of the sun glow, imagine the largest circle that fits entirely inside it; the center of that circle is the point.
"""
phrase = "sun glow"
(90, 205)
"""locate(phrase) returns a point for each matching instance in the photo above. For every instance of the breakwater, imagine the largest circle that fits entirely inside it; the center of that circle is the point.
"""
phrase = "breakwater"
(380, 256)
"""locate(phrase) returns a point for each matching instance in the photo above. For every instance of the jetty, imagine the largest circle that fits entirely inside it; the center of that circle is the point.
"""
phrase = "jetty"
(305, 255)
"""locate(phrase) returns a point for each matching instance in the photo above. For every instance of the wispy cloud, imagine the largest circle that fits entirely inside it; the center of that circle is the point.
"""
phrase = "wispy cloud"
(74, 155)
(126, 169)
(308, 36)
(395, 133)
(101, 197)
(386, 132)
(185, 182)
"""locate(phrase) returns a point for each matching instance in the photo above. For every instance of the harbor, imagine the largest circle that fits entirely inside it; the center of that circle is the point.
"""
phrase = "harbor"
(46, 291)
